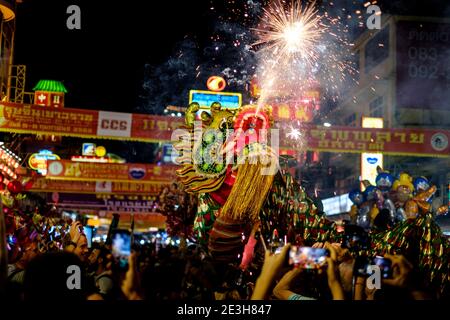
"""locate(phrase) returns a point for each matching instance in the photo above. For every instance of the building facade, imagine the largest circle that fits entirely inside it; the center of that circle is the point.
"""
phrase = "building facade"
(404, 78)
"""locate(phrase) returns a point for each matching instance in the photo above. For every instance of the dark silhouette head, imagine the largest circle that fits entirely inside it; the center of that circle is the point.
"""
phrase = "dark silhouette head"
(55, 276)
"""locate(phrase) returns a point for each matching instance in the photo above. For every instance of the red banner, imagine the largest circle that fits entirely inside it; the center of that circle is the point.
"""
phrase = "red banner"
(154, 128)
(119, 172)
(410, 141)
(45, 120)
(147, 128)
(33, 119)
(103, 187)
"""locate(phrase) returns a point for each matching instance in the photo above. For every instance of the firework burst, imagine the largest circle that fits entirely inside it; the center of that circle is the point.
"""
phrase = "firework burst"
(294, 133)
(301, 50)
(292, 33)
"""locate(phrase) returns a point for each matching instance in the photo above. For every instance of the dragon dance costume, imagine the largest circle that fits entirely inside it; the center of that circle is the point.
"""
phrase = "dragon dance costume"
(233, 197)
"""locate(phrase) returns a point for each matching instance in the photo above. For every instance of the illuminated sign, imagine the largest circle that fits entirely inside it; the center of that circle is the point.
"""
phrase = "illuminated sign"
(216, 83)
(91, 153)
(228, 100)
(167, 150)
(97, 159)
(88, 149)
(90, 159)
(100, 151)
(370, 161)
(369, 122)
(337, 205)
(38, 161)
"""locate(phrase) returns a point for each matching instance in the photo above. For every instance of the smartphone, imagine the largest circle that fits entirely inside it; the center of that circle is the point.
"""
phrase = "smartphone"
(121, 246)
(112, 227)
(308, 257)
(88, 231)
(278, 250)
(385, 266)
(355, 238)
(364, 266)
(81, 219)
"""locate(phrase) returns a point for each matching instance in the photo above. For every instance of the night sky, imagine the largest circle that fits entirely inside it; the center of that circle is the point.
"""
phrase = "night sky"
(102, 65)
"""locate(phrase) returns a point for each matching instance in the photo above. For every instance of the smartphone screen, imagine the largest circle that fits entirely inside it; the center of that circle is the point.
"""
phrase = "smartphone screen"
(364, 266)
(121, 246)
(87, 230)
(307, 257)
(385, 266)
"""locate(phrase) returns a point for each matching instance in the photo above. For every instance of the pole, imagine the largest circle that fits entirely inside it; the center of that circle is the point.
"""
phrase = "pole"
(112, 226)
(3, 254)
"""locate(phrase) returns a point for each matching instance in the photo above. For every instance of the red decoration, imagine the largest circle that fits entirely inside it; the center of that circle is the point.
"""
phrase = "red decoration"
(216, 83)
(28, 185)
(14, 187)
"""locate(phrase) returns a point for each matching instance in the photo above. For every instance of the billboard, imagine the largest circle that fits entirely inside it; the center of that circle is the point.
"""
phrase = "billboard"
(97, 187)
(337, 205)
(38, 161)
(167, 153)
(33, 119)
(370, 161)
(228, 100)
(19, 118)
(423, 65)
(120, 172)
(408, 141)
(91, 201)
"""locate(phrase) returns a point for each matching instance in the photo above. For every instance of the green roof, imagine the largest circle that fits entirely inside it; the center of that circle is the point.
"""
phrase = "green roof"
(50, 85)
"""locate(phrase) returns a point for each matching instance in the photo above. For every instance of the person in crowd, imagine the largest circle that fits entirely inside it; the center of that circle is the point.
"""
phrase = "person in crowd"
(104, 277)
(77, 242)
(404, 284)
(282, 289)
(16, 271)
(55, 276)
(168, 272)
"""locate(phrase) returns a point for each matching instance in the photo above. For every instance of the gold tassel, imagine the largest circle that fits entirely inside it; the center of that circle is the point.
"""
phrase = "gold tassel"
(248, 193)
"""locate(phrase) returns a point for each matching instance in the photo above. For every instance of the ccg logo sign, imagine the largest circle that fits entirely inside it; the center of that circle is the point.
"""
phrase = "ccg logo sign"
(114, 124)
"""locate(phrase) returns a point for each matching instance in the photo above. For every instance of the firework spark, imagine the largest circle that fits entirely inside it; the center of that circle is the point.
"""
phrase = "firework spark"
(300, 50)
(294, 133)
(294, 32)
